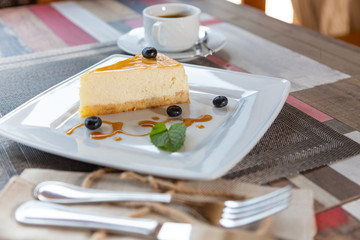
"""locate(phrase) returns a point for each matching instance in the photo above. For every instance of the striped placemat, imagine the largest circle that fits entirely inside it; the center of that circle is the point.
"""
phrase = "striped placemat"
(70, 23)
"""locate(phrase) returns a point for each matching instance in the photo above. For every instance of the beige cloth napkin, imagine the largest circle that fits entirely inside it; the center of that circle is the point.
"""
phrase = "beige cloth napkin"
(296, 222)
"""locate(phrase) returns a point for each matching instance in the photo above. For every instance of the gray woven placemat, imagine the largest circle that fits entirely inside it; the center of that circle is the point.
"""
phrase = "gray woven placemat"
(294, 143)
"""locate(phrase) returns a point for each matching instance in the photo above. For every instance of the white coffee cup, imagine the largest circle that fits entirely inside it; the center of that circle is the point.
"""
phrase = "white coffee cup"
(171, 27)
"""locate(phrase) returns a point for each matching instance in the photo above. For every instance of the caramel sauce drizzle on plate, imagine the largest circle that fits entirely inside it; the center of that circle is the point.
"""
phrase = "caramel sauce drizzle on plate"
(117, 127)
(187, 121)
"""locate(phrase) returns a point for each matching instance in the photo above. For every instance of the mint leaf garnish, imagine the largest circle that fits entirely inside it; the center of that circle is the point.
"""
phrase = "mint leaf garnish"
(170, 140)
(177, 136)
(159, 136)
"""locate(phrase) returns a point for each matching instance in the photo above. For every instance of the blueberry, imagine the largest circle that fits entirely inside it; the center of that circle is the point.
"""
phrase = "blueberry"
(220, 101)
(93, 122)
(149, 52)
(174, 111)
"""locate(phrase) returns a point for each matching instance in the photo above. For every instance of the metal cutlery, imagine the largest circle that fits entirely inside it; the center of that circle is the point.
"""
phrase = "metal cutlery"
(227, 214)
(59, 192)
(201, 43)
(51, 214)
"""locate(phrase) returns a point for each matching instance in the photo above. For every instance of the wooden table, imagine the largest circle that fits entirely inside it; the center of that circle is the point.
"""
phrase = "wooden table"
(329, 90)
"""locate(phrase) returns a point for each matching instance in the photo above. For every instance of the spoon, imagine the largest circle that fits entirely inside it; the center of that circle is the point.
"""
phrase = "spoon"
(200, 44)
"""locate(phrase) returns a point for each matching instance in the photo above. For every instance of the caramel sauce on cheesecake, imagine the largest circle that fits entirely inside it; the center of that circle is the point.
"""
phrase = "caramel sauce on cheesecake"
(139, 62)
(117, 127)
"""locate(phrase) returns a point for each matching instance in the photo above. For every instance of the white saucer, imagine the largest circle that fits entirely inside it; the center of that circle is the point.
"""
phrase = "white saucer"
(133, 43)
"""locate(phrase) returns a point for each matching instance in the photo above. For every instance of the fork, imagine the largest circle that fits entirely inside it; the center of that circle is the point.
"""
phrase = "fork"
(228, 214)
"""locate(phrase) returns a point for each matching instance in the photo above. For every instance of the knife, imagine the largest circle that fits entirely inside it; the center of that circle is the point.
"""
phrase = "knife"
(51, 214)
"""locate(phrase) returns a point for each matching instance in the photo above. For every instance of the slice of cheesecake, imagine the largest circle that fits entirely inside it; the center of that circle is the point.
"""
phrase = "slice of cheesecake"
(131, 84)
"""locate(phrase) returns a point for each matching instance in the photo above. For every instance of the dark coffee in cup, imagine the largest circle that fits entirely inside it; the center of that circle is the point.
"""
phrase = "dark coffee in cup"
(176, 15)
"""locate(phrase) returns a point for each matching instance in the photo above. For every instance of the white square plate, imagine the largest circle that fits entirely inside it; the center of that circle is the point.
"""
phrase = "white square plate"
(208, 153)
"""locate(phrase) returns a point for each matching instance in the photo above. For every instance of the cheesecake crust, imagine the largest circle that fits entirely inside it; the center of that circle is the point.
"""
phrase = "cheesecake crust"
(178, 98)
